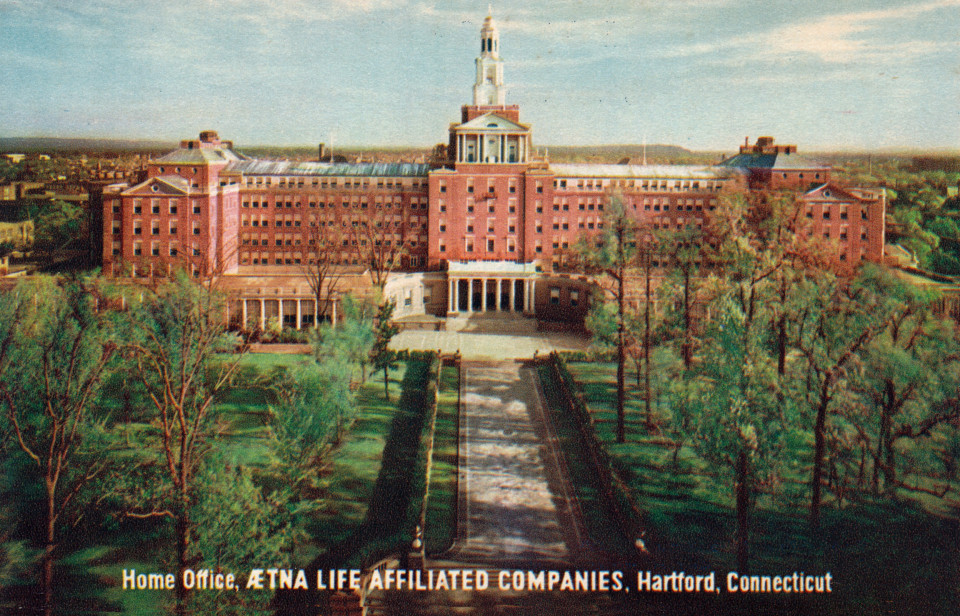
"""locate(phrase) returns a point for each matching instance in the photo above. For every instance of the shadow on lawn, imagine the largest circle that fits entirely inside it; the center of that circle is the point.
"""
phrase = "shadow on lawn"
(382, 531)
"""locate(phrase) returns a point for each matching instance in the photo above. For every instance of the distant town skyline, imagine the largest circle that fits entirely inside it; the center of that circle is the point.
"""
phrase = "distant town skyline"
(701, 74)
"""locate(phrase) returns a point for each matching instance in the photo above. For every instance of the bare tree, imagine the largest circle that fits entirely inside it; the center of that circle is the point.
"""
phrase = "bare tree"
(322, 268)
(379, 239)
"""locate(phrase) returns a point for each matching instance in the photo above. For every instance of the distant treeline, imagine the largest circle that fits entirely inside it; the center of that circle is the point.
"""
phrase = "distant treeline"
(28, 145)
(950, 164)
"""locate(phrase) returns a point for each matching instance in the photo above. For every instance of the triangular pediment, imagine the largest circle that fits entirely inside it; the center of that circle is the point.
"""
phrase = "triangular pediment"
(828, 191)
(160, 186)
(492, 122)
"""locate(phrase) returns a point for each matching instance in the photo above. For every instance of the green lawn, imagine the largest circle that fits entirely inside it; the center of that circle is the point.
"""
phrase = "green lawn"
(441, 526)
(370, 479)
(889, 557)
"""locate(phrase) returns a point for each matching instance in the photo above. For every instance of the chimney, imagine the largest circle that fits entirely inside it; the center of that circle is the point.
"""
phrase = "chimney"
(320, 153)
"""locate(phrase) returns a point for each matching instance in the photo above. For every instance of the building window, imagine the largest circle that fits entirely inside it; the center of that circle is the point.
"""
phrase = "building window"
(574, 297)
(555, 295)
(490, 244)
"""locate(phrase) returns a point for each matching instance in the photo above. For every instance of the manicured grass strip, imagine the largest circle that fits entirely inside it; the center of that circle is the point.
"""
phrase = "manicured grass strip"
(441, 526)
(601, 524)
(366, 489)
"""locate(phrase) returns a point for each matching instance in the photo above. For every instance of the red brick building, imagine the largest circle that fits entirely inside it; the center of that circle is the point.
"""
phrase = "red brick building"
(485, 229)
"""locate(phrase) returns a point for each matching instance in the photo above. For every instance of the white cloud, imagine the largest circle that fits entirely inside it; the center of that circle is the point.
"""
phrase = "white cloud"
(843, 38)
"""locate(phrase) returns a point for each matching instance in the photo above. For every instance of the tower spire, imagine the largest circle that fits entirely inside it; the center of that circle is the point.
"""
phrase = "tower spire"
(489, 88)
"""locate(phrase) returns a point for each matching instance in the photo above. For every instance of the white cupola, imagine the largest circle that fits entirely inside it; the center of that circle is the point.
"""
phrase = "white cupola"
(489, 89)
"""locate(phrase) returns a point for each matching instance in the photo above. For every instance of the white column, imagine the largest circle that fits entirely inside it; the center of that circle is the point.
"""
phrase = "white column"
(299, 314)
(456, 295)
(263, 314)
(513, 290)
(280, 311)
(499, 296)
(469, 294)
(316, 310)
(533, 295)
(450, 295)
(243, 303)
(333, 320)
(483, 294)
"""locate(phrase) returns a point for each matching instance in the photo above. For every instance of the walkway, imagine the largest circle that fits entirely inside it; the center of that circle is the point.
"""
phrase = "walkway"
(514, 500)
(515, 509)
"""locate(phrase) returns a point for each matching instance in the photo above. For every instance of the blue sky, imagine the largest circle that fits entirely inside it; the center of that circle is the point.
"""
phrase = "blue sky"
(702, 74)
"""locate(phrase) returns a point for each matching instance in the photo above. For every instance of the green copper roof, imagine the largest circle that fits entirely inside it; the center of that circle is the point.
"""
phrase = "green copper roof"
(286, 167)
(772, 161)
(194, 156)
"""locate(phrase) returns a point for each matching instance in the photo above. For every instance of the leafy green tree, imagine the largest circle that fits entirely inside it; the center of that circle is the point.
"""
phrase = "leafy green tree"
(177, 341)
(240, 526)
(839, 318)
(57, 225)
(910, 378)
(613, 255)
(341, 354)
(54, 351)
(731, 406)
(381, 355)
(315, 402)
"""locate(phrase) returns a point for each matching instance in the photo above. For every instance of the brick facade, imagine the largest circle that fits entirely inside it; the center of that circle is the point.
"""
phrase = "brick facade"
(210, 209)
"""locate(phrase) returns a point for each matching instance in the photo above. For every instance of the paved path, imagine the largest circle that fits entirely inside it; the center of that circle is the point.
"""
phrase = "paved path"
(515, 510)
(515, 505)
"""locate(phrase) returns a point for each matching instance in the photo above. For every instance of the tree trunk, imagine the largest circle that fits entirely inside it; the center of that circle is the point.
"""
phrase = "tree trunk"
(646, 345)
(819, 447)
(886, 442)
(687, 350)
(48, 554)
(782, 329)
(743, 511)
(386, 383)
(183, 540)
(621, 362)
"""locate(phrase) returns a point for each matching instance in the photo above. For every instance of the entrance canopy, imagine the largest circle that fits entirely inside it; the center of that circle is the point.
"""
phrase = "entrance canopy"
(502, 269)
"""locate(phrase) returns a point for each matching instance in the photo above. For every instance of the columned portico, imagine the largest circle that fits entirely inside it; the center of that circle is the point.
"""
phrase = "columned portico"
(491, 286)
(293, 312)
